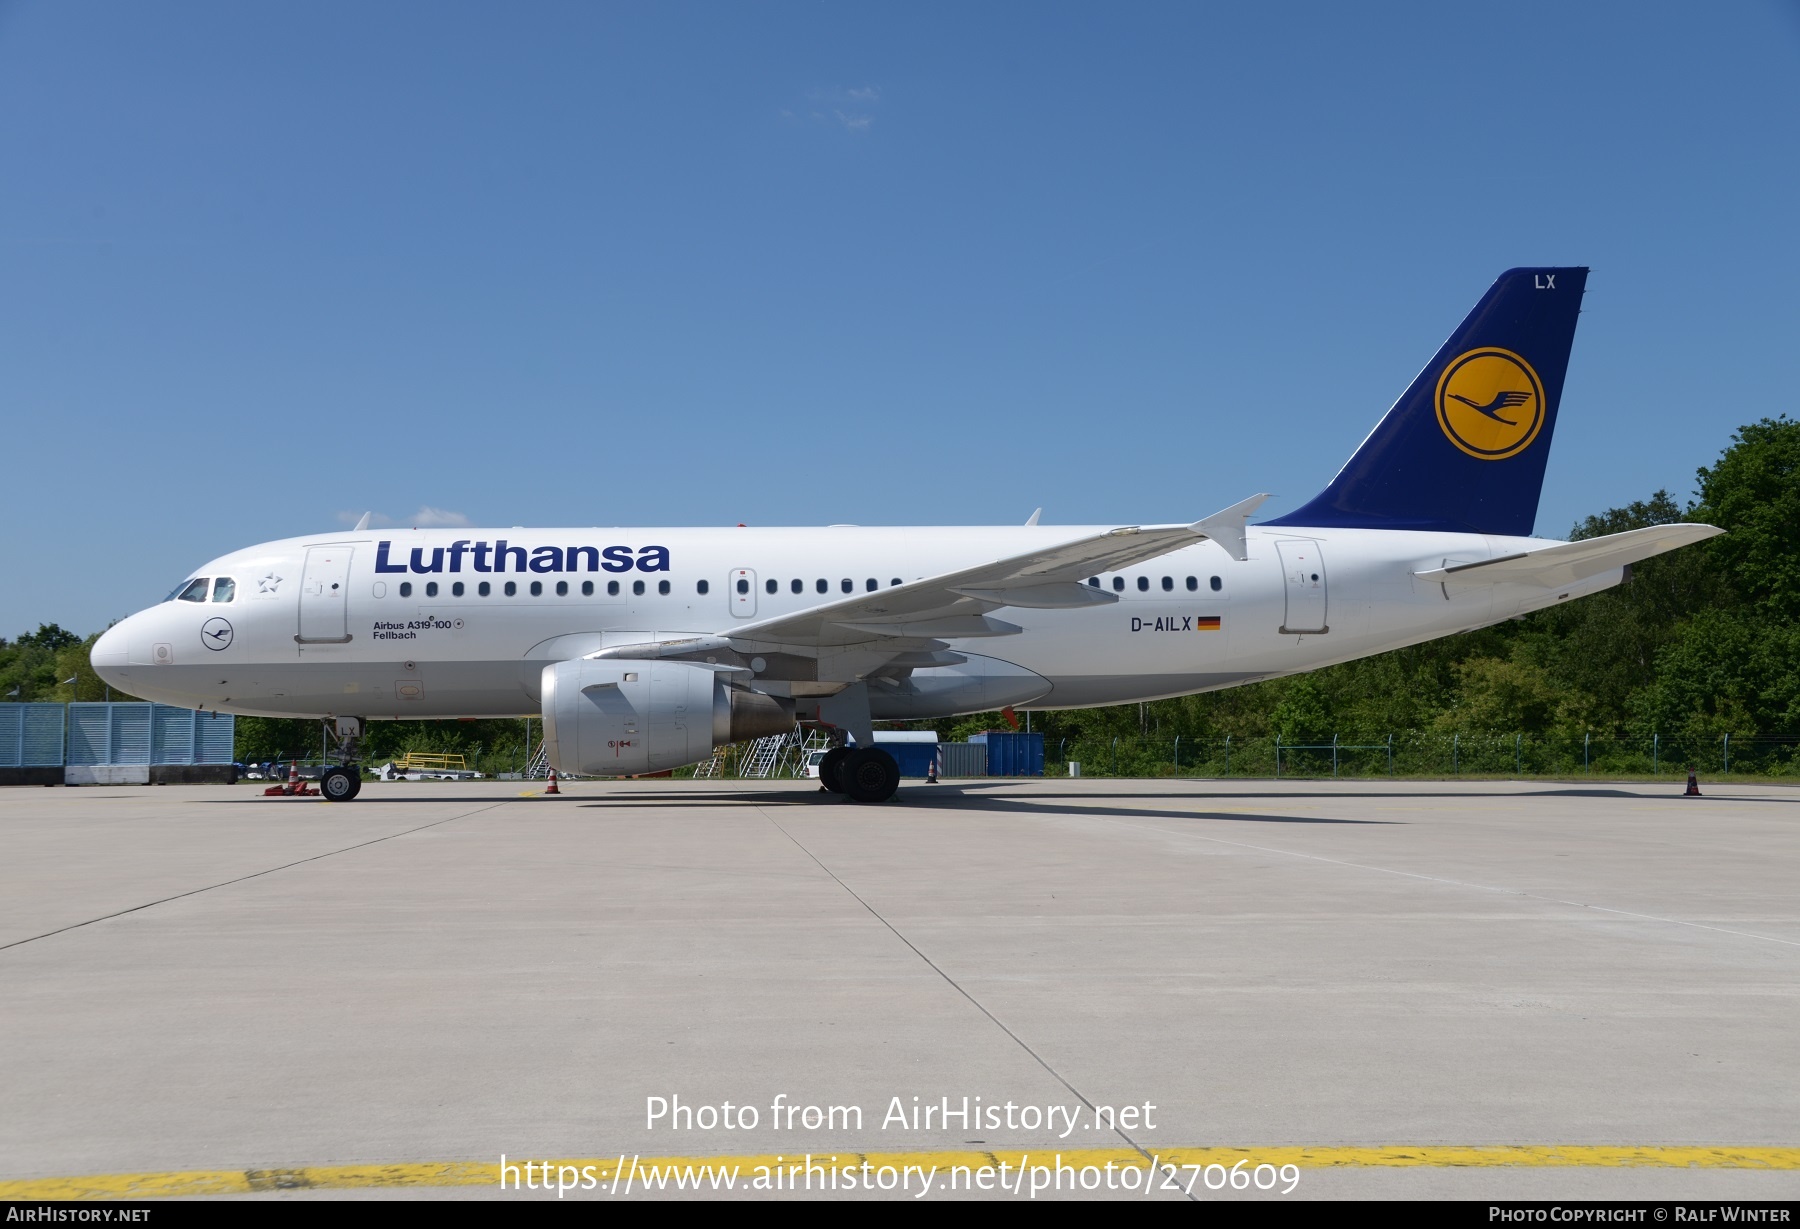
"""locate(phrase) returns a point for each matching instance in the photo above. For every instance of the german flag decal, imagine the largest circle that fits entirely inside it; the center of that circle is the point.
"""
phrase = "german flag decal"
(1207, 623)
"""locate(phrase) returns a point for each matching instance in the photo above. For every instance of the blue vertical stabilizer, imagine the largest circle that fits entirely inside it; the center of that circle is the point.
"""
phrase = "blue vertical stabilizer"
(1464, 448)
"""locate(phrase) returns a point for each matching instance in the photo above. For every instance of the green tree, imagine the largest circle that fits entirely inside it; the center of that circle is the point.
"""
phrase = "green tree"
(1302, 715)
(1753, 493)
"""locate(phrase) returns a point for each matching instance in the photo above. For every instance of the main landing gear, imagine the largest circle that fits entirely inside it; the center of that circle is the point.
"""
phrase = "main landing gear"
(343, 781)
(861, 774)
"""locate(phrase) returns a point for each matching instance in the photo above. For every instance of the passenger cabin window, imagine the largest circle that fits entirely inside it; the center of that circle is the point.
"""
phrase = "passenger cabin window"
(194, 590)
(701, 587)
(1118, 584)
(822, 586)
(1217, 584)
(431, 588)
(406, 588)
(1193, 584)
(1168, 584)
(798, 586)
(1093, 582)
(1143, 584)
(612, 588)
(870, 585)
(456, 589)
(587, 588)
(512, 588)
(637, 587)
(662, 587)
(562, 588)
(484, 588)
(894, 583)
(847, 585)
(224, 589)
(537, 588)
(769, 586)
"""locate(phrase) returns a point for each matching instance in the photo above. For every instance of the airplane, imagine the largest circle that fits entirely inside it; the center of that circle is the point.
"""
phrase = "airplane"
(644, 649)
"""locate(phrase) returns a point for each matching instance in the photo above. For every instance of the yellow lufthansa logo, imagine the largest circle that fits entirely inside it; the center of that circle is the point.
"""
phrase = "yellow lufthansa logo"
(1490, 403)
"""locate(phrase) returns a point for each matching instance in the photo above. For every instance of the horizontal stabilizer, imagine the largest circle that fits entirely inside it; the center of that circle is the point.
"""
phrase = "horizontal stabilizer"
(1569, 562)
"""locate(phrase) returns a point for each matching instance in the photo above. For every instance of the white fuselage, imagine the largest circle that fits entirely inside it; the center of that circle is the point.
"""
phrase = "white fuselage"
(395, 640)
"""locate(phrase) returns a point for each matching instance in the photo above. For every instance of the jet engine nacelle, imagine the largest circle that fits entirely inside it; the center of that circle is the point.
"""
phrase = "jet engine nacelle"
(622, 718)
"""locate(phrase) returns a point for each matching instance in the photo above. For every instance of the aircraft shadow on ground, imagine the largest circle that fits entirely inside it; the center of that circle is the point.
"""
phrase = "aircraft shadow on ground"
(971, 796)
(932, 799)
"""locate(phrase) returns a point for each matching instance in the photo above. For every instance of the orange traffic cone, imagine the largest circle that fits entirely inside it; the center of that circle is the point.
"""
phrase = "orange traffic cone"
(1693, 789)
(931, 773)
(293, 785)
(551, 788)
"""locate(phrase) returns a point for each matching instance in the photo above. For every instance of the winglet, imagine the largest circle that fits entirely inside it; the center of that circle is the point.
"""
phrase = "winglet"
(1033, 518)
(1226, 527)
(362, 524)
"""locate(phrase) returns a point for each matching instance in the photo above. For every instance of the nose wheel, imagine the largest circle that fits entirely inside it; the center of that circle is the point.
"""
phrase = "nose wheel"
(340, 784)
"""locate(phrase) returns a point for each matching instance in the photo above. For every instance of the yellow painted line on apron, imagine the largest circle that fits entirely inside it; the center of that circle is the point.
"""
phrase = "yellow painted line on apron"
(487, 1173)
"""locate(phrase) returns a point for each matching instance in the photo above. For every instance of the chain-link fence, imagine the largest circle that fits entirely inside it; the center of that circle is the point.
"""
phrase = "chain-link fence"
(1422, 755)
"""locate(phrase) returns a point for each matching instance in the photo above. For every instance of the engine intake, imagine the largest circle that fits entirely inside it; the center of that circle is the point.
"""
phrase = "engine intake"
(622, 718)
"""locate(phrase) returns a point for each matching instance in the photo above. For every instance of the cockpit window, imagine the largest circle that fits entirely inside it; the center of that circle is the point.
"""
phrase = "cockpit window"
(224, 589)
(193, 591)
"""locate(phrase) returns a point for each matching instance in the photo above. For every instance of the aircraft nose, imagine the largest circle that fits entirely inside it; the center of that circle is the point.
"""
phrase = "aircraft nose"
(111, 654)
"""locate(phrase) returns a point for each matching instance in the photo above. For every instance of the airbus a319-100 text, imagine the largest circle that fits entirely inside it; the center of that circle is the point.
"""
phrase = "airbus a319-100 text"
(644, 649)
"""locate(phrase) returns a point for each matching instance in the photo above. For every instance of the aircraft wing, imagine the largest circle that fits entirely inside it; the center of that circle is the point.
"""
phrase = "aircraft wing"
(1568, 562)
(907, 624)
(953, 605)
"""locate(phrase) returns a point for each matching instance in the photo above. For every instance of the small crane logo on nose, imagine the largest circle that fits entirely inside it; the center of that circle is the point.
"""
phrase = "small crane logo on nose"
(216, 634)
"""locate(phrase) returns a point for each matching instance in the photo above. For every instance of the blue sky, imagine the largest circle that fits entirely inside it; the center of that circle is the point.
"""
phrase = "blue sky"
(263, 267)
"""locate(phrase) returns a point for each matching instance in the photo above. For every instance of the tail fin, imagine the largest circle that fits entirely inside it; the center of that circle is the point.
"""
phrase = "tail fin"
(1464, 447)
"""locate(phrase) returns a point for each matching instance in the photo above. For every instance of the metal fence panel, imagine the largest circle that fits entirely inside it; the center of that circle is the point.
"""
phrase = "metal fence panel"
(131, 733)
(31, 735)
(172, 731)
(138, 733)
(42, 743)
(215, 738)
(90, 734)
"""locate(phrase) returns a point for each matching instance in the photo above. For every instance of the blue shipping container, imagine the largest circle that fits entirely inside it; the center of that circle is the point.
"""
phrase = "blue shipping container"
(914, 758)
(1014, 754)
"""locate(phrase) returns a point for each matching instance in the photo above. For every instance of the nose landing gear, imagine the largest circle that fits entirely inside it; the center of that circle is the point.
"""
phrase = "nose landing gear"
(343, 782)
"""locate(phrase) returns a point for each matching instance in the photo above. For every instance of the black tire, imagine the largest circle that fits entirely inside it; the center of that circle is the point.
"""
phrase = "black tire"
(339, 784)
(831, 769)
(356, 781)
(870, 775)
